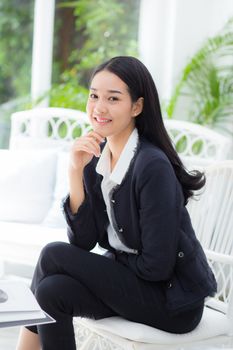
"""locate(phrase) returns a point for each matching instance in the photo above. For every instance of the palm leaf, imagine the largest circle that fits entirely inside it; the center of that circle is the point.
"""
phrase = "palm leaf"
(207, 81)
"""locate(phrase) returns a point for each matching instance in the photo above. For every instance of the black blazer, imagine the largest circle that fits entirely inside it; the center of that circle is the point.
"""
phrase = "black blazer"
(150, 216)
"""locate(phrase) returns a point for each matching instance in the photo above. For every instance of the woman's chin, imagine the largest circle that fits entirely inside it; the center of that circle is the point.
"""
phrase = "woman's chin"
(100, 131)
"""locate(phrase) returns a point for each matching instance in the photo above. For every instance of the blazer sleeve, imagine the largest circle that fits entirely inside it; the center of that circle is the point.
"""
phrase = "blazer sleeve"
(159, 223)
(81, 229)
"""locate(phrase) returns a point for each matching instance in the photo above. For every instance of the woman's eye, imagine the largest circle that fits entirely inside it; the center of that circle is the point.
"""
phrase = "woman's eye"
(113, 98)
(93, 96)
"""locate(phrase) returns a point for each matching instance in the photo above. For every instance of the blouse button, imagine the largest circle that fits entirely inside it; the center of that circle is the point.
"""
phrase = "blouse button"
(169, 285)
(121, 229)
(181, 254)
(113, 200)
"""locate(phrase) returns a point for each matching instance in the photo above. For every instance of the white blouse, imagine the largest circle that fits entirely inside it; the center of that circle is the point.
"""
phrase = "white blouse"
(111, 179)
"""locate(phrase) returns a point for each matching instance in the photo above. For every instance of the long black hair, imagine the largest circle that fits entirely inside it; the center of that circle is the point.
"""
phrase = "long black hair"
(150, 122)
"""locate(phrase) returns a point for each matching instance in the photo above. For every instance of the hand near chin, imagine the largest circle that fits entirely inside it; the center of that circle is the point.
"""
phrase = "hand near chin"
(84, 149)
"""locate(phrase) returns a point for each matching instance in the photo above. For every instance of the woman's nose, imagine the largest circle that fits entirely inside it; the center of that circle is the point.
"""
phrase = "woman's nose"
(100, 107)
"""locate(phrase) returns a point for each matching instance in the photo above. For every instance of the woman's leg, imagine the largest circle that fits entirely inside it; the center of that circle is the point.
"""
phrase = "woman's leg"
(69, 281)
(28, 340)
(112, 285)
(62, 297)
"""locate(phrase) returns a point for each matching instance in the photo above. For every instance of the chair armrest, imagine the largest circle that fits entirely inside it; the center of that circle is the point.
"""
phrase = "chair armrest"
(219, 257)
(222, 265)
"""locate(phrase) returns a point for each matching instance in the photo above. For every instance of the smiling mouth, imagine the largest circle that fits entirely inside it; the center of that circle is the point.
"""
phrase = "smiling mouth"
(102, 120)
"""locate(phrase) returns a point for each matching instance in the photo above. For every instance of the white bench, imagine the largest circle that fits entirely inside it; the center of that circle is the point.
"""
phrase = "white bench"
(33, 179)
(20, 243)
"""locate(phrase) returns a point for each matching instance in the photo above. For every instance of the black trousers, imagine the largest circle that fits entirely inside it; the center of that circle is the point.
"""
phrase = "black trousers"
(69, 281)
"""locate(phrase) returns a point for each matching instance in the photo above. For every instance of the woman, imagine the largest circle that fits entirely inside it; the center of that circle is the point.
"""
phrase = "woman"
(128, 194)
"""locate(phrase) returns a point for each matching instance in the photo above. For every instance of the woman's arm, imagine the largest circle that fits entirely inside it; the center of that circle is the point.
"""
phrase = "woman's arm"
(76, 191)
(82, 152)
(77, 209)
(81, 226)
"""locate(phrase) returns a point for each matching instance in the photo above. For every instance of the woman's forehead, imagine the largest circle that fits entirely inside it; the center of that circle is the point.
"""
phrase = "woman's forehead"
(108, 82)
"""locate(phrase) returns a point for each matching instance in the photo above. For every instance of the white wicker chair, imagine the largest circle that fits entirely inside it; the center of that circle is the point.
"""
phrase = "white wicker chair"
(47, 127)
(212, 208)
(213, 217)
(197, 141)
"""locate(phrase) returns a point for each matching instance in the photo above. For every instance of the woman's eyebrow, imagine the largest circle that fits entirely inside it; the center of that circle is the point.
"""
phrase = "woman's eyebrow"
(110, 91)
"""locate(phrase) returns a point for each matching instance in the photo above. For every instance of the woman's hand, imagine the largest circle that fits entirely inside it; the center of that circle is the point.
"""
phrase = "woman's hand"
(83, 150)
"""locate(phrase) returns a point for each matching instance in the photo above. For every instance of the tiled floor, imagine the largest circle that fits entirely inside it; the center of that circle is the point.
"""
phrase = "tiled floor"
(8, 338)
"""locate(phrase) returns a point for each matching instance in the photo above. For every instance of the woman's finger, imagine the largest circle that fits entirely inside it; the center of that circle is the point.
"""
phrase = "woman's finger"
(92, 148)
(88, 141)
(96, 136)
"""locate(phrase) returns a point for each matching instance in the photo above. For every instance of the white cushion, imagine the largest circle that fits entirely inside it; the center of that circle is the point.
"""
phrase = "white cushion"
(20, 142)
(26, 184)
(55, 216)
(22, 243)
(213, 324)
(30, 234)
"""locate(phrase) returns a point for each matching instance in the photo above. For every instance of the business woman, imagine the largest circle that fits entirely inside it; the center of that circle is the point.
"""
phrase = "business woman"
(128, 191)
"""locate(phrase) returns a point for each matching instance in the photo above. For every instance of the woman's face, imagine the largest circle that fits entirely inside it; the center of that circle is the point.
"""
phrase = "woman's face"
(109, 107)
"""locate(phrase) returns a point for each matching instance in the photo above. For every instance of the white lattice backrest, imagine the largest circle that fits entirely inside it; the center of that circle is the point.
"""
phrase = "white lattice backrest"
(212, 219)
(53, 127)
(192, 140)
(222, 266)
(47, 127)
(211, 210)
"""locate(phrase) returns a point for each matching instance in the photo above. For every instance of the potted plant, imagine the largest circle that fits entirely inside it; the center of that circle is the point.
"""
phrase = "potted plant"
(205, 89)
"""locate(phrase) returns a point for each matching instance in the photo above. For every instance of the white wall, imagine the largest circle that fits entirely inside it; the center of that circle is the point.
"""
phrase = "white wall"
(171, 31)
(156, 37)
(42, 49)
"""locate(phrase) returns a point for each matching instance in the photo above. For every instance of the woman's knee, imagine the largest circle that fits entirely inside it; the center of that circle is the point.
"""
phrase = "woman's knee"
(53, 248)
(55, 295)
(48, 291)
(51, 251)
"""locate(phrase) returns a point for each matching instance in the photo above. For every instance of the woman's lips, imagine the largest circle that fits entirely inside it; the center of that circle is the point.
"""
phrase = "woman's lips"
(102, 121)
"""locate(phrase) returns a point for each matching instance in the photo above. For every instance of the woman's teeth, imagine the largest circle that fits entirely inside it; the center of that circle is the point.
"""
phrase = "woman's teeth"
(103, 120)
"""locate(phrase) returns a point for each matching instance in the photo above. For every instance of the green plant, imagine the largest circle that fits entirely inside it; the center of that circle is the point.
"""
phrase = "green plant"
(16, 23)
(106, 29)
(205, 89)
(68, 95)
(6, 110)
(103, 29)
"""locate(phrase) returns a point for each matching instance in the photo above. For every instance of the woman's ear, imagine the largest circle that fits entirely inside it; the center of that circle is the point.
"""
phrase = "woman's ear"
(138, 106)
